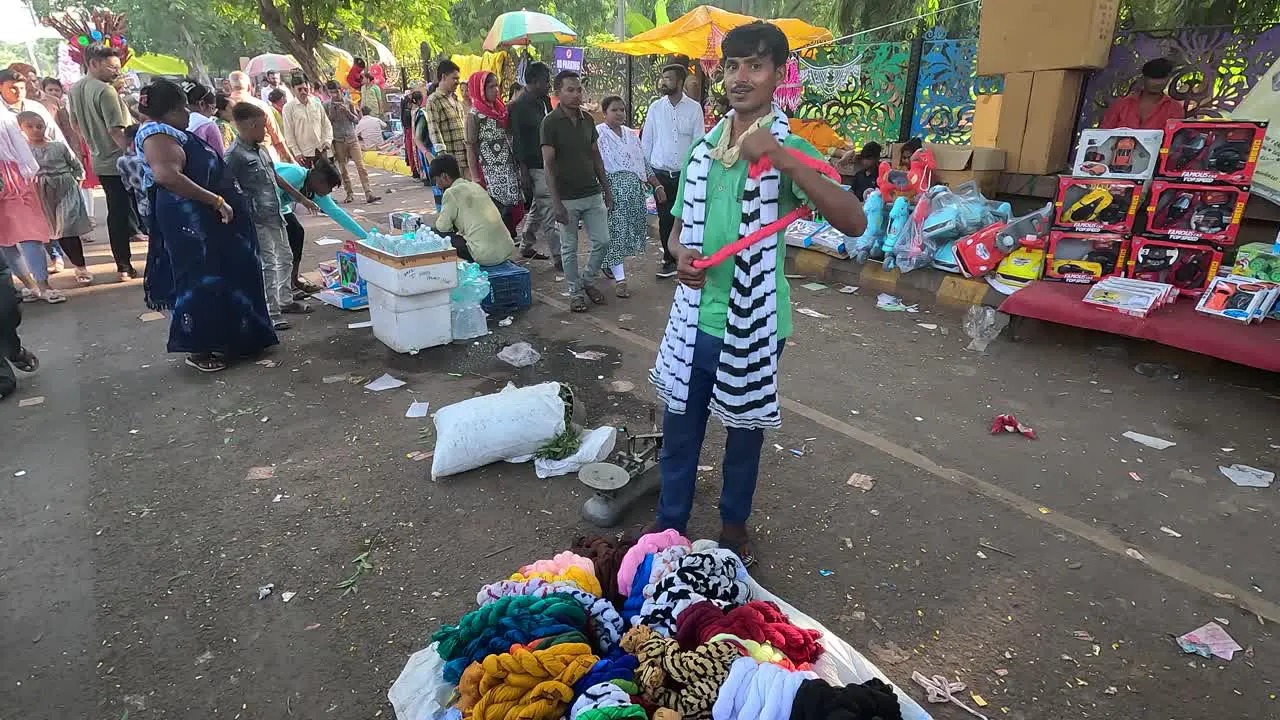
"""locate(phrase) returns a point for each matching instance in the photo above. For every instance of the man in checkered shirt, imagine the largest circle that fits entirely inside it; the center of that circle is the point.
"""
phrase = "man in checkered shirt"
(445, 114)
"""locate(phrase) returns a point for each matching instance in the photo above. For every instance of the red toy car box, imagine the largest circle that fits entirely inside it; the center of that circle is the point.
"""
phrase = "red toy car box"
(1187, 266)
(1211, 151)
(1081, 257)
(1097, 205)
(1196, 212)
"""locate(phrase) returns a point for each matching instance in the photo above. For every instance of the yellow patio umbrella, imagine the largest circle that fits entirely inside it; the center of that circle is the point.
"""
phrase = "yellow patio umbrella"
(154, 64)
(697, 34)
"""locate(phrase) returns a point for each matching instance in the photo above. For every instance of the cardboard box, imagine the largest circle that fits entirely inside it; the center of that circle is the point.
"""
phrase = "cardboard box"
(986, 120)
(1051, 118)
(1012, 122)
(958, 164)
(1189, 267)
(1120, 154)
(1211, 151)
(1025, 35)
(1257, 260)
(1184, 211)
(1094, 205)
(1080, 257)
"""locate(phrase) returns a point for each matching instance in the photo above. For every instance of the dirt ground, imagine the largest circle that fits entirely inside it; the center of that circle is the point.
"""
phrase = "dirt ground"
(133, 544)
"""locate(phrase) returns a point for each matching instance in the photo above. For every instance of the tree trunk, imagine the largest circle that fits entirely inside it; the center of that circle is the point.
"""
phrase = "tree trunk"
(300, 40)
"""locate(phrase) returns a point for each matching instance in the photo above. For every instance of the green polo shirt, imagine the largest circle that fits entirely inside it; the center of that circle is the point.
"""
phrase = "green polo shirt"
(724, 216)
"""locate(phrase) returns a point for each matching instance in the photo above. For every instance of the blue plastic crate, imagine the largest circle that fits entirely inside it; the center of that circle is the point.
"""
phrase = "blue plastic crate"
(510, 288)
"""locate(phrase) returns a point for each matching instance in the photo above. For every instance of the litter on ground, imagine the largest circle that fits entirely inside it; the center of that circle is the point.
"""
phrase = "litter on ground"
(1009, 423)
(417, 409)
(1154, 443)
(811, 313)
(386, 382)
(860, 481)
(1208, 640)
(1246, 476)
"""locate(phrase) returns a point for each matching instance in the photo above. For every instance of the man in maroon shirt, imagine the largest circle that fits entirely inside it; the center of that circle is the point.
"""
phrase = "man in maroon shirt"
(1149, 108)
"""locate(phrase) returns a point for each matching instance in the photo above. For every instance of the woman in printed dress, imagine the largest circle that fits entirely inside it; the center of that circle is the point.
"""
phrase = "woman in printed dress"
(202, 263)
(628, 171)
(489, 147)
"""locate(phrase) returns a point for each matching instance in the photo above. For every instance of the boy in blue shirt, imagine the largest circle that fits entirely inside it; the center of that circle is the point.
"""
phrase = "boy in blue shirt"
(314, 184)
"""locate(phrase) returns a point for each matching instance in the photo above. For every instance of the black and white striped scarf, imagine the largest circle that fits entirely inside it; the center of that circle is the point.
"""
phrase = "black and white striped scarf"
(746, 385)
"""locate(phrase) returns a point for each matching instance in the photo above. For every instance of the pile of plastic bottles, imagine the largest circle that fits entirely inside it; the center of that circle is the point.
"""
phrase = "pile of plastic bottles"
(422, 240)
(467, 316)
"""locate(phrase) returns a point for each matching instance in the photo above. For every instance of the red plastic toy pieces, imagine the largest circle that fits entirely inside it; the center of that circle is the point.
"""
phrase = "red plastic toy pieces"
(1009, 423)
(755, 170)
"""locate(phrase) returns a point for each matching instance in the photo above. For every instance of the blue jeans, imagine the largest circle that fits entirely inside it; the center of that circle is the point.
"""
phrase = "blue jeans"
(682, 437)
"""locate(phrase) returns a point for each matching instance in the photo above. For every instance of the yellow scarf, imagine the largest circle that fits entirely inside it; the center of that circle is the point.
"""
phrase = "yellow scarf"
(726, 151)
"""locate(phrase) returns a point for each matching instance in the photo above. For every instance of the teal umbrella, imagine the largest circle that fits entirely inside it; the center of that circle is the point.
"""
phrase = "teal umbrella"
(524, 28)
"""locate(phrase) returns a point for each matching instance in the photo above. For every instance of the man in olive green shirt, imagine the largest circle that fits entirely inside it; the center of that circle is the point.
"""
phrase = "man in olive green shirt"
(100, 118)
(579, 187)
(469, 217)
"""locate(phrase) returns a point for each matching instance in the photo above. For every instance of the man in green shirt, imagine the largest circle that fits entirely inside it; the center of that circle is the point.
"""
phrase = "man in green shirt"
(371, 96)
(729, 322)
(578, 185)
(469, 217)
(98, 115)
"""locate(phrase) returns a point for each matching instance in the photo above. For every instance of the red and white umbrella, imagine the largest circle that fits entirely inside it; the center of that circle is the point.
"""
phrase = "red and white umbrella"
(271, 62)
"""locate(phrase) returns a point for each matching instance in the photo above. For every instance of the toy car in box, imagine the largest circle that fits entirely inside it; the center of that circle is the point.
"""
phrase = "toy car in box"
(1211, 151)
(1186, 266)
(1184, 211)
(1237, 298)
(1079, 257)
(1091, 205)
(1119, 154)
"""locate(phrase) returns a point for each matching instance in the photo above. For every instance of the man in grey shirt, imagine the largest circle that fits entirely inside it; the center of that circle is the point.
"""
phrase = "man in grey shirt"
(250, 164)
(343, 116)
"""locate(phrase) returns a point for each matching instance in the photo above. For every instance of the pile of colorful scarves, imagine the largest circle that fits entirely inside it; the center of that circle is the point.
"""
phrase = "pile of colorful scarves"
(656, 629)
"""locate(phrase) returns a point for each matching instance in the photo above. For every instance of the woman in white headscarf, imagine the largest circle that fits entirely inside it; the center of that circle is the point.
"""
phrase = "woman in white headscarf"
(23, 228)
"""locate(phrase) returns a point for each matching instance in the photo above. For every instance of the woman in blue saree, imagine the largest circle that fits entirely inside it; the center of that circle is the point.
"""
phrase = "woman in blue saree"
(202, 262)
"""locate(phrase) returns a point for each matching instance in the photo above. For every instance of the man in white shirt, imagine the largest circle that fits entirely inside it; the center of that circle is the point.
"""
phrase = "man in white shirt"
(672, 125)
(370, 129)
(273, 83)
(307, 129)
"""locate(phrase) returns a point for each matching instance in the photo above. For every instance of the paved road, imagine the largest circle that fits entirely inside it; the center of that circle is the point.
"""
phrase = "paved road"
(132, 546)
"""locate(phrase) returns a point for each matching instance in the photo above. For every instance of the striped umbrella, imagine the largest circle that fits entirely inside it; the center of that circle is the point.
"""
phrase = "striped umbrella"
(524, 27)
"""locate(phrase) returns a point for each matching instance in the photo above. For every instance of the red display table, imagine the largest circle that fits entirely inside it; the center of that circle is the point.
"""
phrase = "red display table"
(1178, 325)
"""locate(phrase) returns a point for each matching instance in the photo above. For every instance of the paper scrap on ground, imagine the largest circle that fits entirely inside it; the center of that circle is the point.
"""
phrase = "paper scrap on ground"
(1154, 443)
(418, 455)
(268, 363)
(287, 596)
(149, 316)
(1209, 640)
(849, 289)
(1170, 531)
(928, 326)
(860, 481)
(417, 409)
(265, 472)
(386, 382)
(506, 322)
(328, 241)
(330, 379)
(31, 401)
(361, 324)
(811, 313)
(888, 302)
(1246, 476)
(814, 286)
(588, 355)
